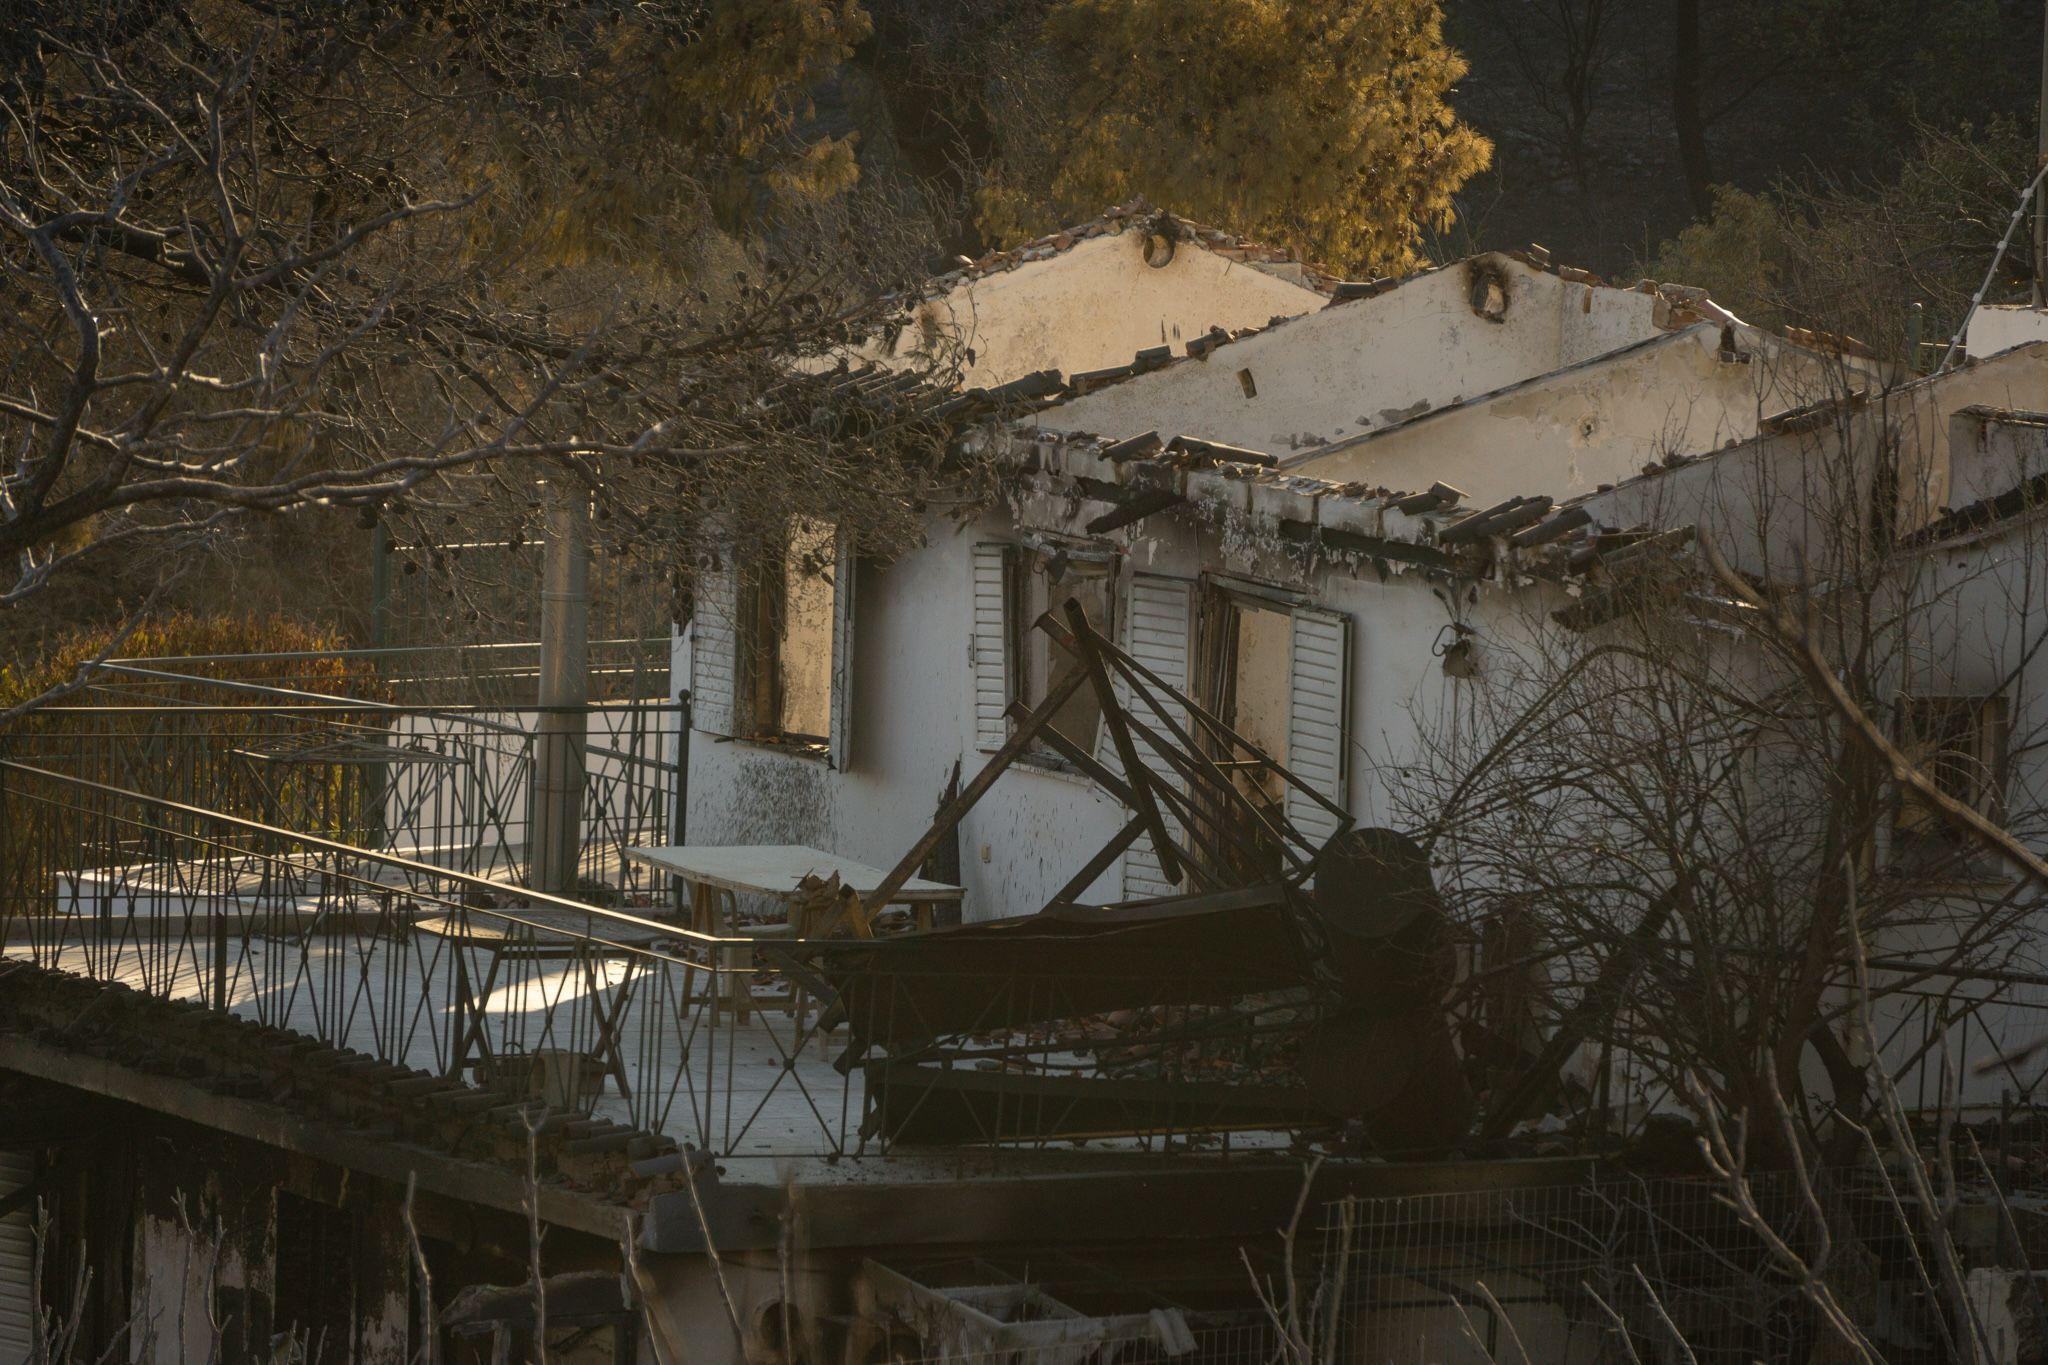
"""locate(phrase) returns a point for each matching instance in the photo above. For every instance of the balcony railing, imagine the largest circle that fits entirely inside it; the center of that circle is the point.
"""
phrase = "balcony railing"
(352, 868)
(324, 748)
(623, 1013)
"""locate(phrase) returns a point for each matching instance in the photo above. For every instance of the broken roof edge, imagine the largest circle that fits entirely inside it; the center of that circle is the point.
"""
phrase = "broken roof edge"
(1349, 524)
(1796, 421)
(1114, 221)
(1687, 307)
(1214, 474)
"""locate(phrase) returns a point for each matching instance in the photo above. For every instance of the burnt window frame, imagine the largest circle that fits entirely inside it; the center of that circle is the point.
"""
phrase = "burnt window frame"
(1031, 555)
(762, 601)
(1925, 844)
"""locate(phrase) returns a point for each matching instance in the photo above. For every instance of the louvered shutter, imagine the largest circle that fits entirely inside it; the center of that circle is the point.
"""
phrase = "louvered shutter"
(17, 1262)
(1318, 717)
(714, 651)
(1156, 630)
(845, 582)
(993, 667)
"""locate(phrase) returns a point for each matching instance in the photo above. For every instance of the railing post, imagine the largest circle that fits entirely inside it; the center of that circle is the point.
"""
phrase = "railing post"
(220, 961)
(555, 803)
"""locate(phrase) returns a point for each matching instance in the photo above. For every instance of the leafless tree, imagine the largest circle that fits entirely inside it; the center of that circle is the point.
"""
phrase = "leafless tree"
(1560, 49)
(273, 262)
(1691, 844)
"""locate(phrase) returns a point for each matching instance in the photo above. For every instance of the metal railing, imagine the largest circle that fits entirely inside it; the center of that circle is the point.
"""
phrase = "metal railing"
(502, 675)
(446, 785)
(628, 1015)
(238, 830)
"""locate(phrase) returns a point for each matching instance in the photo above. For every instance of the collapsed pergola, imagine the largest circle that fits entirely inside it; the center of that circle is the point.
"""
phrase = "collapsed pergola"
(1291, 984)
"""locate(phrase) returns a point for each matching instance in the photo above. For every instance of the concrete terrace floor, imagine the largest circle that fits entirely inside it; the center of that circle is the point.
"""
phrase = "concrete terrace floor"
(699, 1075)
(770, 1109)
(760, 1093)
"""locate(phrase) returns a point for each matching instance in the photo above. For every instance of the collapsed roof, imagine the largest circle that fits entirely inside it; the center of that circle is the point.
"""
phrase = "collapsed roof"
(1585, 542)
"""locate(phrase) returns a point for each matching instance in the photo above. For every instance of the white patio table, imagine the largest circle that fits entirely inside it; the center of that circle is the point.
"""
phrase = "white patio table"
(714, 873)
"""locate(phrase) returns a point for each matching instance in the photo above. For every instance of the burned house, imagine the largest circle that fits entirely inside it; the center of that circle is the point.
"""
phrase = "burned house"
(1255, 519)
(966, 947)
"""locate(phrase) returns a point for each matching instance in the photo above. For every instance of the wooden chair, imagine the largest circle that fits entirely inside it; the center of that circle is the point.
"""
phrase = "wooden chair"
(820, 908)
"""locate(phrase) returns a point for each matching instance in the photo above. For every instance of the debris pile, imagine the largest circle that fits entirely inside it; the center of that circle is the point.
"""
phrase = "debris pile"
(1292, 985)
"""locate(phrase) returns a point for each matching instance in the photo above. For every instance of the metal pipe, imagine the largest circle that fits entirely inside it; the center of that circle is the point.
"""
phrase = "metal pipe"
(2040, 160)
(2004, 244)
(555, 805)
(679, 813)
(366, 857)
(652, 642)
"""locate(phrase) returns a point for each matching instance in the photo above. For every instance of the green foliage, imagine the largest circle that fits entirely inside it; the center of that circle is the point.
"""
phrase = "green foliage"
(1735, 255)
(184, 634)
(1854, 257)
(1320, 125)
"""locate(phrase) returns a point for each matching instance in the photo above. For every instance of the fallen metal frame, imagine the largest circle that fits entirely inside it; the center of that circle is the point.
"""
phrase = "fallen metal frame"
(1142, 788)
(952, 1010)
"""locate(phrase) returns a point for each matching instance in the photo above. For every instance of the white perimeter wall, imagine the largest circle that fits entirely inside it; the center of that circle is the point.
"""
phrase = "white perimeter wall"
(481, 803)
(1999, 327)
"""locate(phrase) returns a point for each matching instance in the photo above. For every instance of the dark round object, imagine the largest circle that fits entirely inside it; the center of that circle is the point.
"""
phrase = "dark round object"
(1373, 883)
(1387, 939)
(1400, 1077)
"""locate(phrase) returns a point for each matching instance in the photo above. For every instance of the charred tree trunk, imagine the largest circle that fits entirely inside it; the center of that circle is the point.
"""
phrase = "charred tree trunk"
(1686, 115)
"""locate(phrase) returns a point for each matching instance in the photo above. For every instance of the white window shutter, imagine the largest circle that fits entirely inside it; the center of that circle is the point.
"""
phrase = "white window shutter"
(1318, 706)
(993, 667)
(713, 645)
(1157, 628)
(845, 581)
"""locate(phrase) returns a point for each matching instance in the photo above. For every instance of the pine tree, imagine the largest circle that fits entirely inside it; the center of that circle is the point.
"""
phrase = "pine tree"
(1319, 125)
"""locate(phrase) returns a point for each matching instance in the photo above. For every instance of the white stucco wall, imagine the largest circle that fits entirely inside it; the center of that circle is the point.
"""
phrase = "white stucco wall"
(1367, 364)
(1570, 431)
(914, 719)
(1981, 639)
(912, 722)
(1777, 489)
(1097, 304)
(181, 1267)
(1998, 327)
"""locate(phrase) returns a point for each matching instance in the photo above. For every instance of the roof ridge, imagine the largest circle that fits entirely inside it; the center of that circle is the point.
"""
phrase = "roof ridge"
(1120, 218)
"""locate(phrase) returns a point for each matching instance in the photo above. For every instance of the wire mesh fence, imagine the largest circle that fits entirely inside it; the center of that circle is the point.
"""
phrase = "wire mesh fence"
(1656, 1268)
(1237, 1339)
